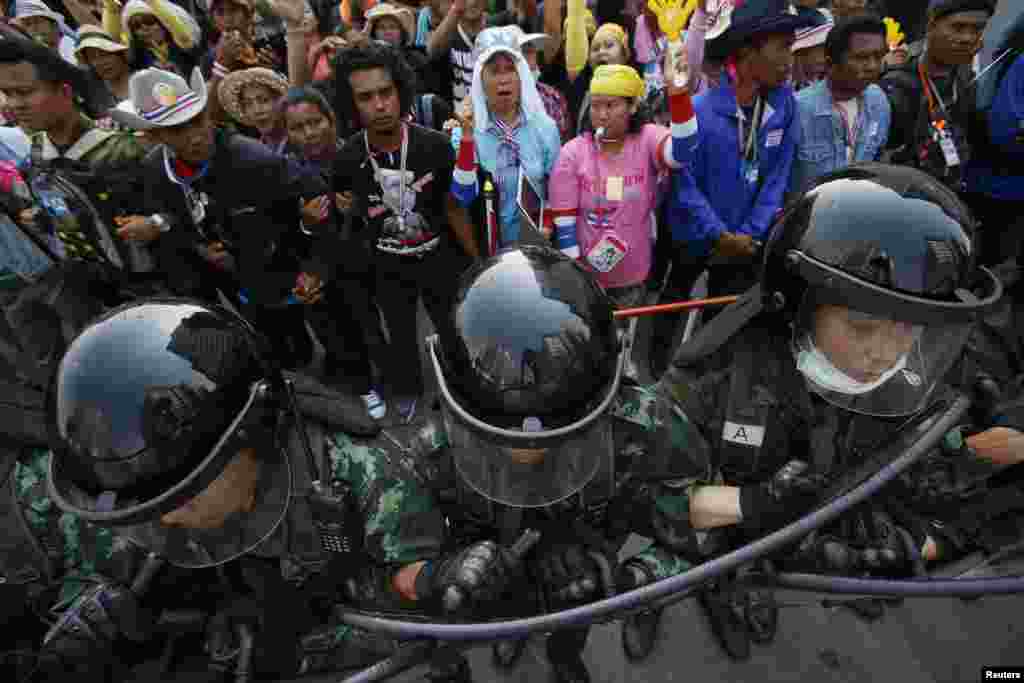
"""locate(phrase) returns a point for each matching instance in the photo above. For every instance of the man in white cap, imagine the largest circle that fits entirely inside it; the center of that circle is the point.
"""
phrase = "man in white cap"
(809, 51)
(233, 209)
(845, 117)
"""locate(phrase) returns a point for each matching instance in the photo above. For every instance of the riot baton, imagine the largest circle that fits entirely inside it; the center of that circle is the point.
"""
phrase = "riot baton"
(674, 307)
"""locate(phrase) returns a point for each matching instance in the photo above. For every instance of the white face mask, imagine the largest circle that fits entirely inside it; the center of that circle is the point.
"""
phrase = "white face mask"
(818, 369)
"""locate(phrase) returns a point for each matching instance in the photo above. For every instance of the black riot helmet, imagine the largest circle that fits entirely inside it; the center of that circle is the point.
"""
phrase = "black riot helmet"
(891, 247)
(150, 405)
(527, 368)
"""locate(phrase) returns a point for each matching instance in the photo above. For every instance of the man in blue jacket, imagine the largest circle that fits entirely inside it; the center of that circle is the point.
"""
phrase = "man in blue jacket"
(996, 177)
(722, 205)
(844, 118)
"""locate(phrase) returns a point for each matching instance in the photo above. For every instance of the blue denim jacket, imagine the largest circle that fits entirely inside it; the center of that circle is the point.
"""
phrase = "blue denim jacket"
(823, 141)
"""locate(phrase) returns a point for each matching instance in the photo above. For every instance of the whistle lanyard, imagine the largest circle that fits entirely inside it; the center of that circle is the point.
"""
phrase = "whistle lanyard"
(602, 212)
(748, 138)
(933, 94)
(399, 210)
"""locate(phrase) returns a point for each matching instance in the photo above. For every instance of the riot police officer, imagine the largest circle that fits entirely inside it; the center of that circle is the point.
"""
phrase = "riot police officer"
(539, 430)
(176, 438)
(868, 294)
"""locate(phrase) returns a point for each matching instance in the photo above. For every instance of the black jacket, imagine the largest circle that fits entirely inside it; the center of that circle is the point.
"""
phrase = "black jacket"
(910, 136)
(255, 195)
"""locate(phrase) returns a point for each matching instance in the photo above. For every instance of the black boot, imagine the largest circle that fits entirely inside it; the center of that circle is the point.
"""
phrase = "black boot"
(727, 622)
(506, 653)
(640, 633)
(761, 613)
(565, 652)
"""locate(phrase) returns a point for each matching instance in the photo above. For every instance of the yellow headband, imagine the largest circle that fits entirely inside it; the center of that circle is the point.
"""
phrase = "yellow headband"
(617, 80)
(613, 31)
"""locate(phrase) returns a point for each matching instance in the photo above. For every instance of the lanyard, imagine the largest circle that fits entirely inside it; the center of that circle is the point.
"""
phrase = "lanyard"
(602, 212)
(748, 140)
(399, 211)
(932, 93)
(852, 128)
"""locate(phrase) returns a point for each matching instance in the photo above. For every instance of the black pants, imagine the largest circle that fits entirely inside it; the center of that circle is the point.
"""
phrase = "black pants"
(1001, 228)
(665, 326)
(338, 321)
(400, 283)
(284, 327)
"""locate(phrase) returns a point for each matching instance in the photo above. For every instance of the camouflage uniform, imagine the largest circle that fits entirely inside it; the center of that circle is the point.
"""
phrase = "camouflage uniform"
(398, 524)
(95, 147)
(656, 459)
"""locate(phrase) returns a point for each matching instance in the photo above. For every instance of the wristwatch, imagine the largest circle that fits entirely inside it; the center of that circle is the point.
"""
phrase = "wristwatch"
(160, 222)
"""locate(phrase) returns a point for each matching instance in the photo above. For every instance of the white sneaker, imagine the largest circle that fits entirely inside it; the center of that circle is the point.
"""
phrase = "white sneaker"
(375, 405)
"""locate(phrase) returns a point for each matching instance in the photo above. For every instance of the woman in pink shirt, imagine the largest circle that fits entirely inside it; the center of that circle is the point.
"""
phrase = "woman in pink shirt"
(603, 190)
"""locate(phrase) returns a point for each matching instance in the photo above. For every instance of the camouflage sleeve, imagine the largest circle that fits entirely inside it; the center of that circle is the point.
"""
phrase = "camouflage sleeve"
(677, 461)
(79, 553)
(120, 150)
(403, 524)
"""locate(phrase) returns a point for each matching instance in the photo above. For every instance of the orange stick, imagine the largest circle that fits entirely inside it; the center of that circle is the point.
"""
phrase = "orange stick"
(674, 307)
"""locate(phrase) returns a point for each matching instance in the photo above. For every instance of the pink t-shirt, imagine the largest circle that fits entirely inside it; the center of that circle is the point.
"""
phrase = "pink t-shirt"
(614, 198)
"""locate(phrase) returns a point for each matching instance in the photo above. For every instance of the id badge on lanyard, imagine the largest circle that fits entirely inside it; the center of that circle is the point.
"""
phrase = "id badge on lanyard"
(196, 205)
(749, 155)
(940, 128)
(941, 134)
(751, 173)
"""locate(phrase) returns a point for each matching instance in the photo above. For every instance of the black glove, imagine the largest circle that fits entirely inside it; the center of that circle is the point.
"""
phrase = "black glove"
(84, 638)
(469, 578)
(882, 548)
(570, 575)
(778, 501)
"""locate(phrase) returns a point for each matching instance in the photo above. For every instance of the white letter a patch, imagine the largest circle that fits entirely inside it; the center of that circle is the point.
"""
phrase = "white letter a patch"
(745, 435)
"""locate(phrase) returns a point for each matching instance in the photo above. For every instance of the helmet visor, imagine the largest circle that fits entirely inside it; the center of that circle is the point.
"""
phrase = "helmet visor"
(870, 364)
(533, 466)
(233, 515)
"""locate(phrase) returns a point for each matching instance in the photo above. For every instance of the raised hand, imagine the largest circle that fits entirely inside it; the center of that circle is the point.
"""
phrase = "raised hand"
(672, 15)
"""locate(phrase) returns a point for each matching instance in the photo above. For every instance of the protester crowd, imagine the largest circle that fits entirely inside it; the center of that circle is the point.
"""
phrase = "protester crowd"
(375, 216)
(324, 168)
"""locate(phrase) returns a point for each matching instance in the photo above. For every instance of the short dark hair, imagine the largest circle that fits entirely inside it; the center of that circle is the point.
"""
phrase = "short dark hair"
(372, 56)
(53, 69)
(306, 95)
(50, 67)
(837, 45)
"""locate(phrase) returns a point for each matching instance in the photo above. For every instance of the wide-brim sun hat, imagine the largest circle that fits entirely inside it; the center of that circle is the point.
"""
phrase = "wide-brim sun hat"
(96, 38)
(162, 99)
(230, 90)
(403, 15)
